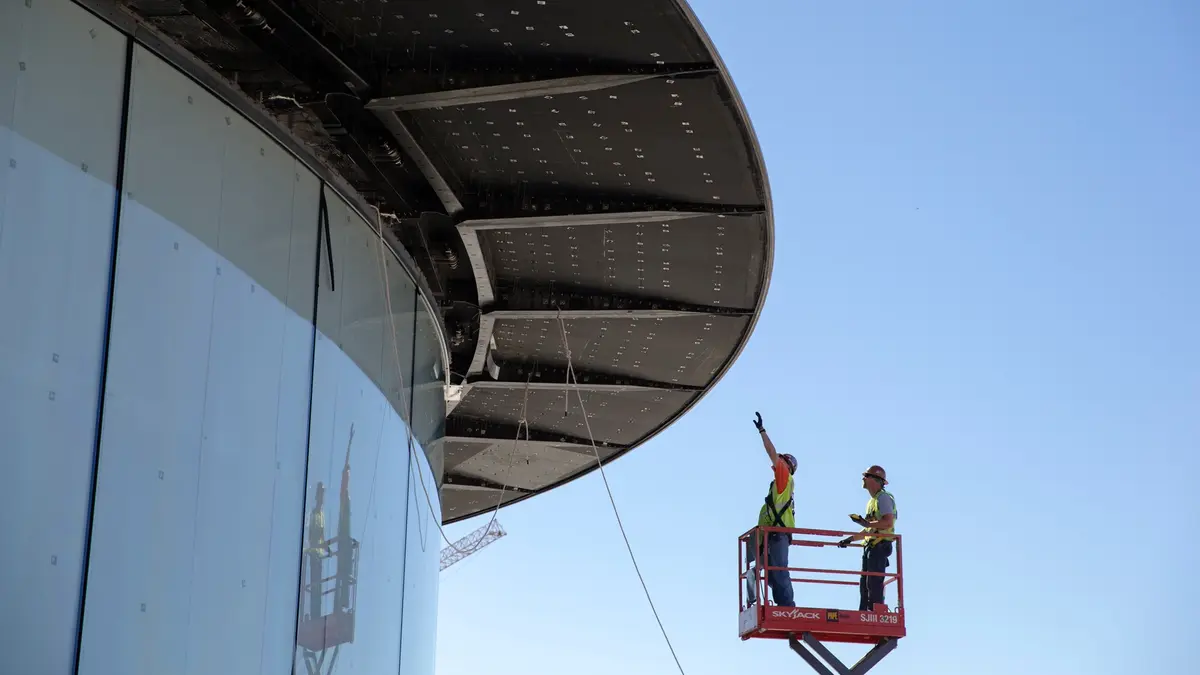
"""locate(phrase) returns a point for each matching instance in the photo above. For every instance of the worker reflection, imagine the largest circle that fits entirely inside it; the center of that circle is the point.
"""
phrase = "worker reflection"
(779, 510)
(324, 627)
(879, 522)
(344, 546)
(317, 550)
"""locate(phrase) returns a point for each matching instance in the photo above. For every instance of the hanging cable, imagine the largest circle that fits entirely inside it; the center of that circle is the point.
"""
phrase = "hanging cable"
(572, 383)
(571, 379)
(406, 407)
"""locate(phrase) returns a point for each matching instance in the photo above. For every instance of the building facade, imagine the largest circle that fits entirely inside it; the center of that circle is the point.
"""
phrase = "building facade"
(218, 384)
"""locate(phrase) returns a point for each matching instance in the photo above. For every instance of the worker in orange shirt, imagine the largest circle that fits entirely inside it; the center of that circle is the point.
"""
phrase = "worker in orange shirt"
(778, 510)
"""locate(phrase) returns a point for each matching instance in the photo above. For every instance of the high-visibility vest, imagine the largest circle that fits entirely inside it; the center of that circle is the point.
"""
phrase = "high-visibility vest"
(873, 514)
(778, 509)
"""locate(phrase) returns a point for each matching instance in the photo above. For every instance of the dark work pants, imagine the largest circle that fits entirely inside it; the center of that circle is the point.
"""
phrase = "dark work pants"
(870, 589)
(780, 581)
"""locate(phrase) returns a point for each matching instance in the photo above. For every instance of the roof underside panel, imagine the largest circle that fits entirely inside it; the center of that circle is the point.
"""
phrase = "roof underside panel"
(686, 350)
(553, 167)
(668, 139)
(707, 260)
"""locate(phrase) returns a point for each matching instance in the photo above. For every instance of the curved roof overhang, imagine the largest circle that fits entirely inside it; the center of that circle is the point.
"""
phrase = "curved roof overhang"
(545, 161)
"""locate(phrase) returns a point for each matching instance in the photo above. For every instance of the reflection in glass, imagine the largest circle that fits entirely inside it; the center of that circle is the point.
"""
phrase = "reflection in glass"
(352, 584)
(319, 630)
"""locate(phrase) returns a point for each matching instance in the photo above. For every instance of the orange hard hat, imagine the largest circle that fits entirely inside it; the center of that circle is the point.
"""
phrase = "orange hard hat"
(877, 473)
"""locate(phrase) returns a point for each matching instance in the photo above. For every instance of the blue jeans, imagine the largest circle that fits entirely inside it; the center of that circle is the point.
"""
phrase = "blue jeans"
(780, 581)
(870, 589)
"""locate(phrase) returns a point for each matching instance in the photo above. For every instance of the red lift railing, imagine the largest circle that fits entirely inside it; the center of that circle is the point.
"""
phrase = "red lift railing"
(810, 626)
(318, 630)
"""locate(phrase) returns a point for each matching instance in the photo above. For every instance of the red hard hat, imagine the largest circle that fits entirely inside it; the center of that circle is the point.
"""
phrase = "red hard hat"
(877, 473)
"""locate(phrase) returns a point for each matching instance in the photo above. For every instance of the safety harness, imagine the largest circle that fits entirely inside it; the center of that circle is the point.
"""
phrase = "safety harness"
(777, 515)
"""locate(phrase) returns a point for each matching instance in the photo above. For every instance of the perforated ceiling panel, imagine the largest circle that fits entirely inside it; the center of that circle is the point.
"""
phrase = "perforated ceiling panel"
(669, 138)
(684, 350)
(554, 167)
(709, 260)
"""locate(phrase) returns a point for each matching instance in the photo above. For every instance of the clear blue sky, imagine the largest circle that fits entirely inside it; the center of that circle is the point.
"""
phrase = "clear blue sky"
(986, 277)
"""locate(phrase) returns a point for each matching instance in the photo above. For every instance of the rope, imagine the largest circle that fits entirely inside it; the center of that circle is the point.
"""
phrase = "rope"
(405, 404)
(612, 500)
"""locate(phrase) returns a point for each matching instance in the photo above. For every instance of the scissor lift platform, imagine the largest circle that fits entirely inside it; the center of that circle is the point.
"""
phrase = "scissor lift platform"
(827, 625)
(807, 628)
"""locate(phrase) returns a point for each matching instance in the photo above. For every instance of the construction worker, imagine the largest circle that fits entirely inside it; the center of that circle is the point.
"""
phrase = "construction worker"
(779, 510)
(345, 545)
(879, 522)
(317, 550)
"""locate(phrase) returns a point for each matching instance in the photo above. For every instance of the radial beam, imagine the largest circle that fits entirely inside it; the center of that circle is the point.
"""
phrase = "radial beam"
(296, 28)
(519, 90)
(475, 428)
(577, 220)
(534, 300)
(408, 143)
(519, 376)
(530, 444)
(547, 205)
(453, 479)
(566, 314)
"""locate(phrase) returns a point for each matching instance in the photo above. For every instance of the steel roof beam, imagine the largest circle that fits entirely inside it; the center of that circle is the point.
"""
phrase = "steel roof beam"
(294, 28)
(532, 89)
(536, 301)
(517, 376)
(458, 480)
(531, 444)
(540, 203)
(408, 143)
(343, 111)
(569, 314)
(284, 36)
(287, 35)
(298, 29)
(475, 428)
(657, 213)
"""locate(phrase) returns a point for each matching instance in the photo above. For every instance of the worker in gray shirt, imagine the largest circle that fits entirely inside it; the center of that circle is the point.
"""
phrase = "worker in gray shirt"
(878, 524)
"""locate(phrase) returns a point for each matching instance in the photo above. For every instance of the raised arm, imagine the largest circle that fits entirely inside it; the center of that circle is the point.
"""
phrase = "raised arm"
(767, 444)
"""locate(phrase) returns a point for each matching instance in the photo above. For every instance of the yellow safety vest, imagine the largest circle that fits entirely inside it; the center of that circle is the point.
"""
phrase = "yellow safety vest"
(873, 514)
(776, 503)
